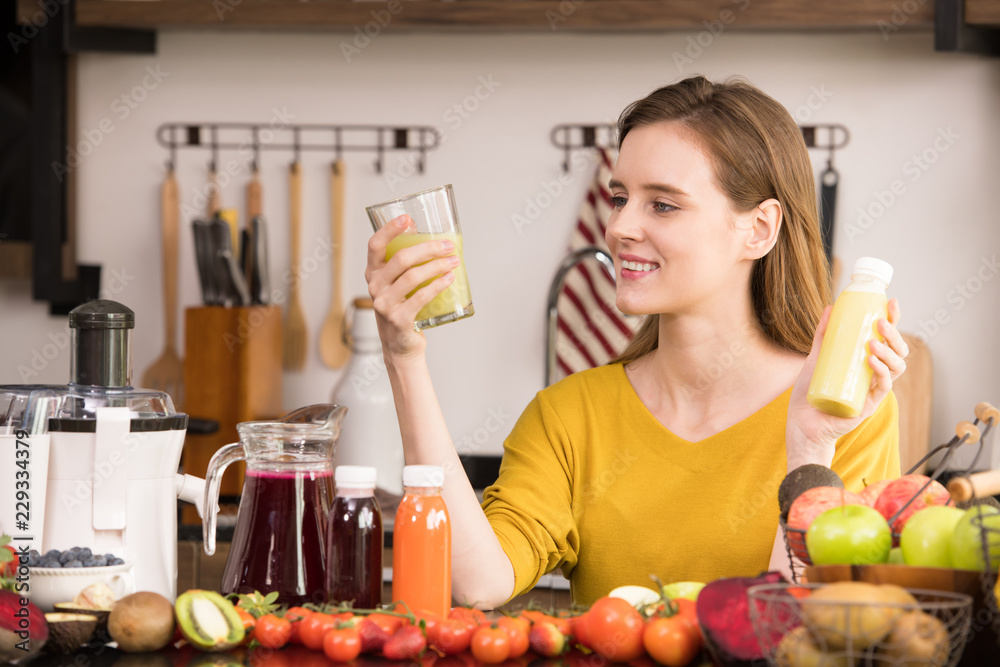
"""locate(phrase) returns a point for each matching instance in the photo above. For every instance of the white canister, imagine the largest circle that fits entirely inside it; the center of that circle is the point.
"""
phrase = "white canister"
(370, 434)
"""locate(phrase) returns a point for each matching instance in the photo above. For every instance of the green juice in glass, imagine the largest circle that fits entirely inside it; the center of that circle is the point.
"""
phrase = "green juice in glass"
(455, 302)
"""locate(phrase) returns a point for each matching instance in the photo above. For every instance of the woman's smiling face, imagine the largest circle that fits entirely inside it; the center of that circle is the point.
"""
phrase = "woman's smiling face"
(675, 239)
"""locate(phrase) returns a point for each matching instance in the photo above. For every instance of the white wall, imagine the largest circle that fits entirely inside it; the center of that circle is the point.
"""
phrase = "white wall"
(895, 95)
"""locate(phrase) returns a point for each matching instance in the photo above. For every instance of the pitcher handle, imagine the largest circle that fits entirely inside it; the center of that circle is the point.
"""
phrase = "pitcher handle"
(213, 478)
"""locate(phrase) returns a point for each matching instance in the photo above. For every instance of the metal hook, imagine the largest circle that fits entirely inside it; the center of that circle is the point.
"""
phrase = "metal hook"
(381, 149)
(172, 161)
(295, 144)
(215, 148)
(255, 163)
(337, 142)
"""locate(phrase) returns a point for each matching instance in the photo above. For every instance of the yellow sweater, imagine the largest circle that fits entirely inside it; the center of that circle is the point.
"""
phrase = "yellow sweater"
(592, 483)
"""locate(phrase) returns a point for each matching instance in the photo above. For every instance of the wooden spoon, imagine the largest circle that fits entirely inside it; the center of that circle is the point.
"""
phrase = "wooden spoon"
(167, 372)
(295, 326)
(332, 348)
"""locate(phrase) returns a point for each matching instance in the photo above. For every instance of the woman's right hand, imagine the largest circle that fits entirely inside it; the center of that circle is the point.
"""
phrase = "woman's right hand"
(390, 283)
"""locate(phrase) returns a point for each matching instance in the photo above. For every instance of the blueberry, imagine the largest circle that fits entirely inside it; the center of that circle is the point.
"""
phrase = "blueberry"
(109, 557)
(33, 552)
(53, 553)
(117, 561)
(74, 563)
(50, 562)
(85, 553)
(33, 560)
(90, 562)
(99, 561)
(66, 557)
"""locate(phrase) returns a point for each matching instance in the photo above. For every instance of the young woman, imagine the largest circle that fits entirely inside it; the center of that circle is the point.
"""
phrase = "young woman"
(666, 461)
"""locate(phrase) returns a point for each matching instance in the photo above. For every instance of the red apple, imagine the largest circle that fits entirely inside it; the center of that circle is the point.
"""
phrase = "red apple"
(895, 495)
(809, 505)
(871, 492)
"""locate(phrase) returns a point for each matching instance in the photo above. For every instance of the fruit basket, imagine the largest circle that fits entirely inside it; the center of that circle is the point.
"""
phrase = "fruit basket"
(853, 623)
(966, 433)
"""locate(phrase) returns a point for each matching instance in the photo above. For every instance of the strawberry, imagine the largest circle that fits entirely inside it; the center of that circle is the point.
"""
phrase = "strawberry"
(546, 640)
(373, 637)
(406, 644)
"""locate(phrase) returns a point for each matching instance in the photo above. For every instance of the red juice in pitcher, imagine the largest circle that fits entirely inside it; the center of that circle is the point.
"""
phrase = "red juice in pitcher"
(354, 539)
(280, 539)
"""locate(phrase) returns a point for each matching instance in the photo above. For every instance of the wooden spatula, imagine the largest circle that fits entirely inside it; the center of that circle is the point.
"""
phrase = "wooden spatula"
(332, 348)
(167, 372)
(295, 336)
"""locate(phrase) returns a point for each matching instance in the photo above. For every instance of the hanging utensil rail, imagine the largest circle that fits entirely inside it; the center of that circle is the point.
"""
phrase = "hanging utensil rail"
(338, 139)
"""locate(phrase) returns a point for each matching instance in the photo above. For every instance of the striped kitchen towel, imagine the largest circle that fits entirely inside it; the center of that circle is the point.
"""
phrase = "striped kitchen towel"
(591, 331)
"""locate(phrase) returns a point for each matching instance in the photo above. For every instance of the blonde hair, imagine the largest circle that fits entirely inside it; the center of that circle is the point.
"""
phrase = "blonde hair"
(757, 153)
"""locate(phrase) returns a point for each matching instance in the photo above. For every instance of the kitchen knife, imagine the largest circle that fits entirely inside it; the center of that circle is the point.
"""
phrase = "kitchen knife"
(260, 282)
(203, 258)
(233, 287)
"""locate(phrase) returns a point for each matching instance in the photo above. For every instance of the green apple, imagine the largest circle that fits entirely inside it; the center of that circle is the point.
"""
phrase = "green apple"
(896, 556)
(637, 596)
(926, 537)
(849, 535)
(683, 589)
(967, 540)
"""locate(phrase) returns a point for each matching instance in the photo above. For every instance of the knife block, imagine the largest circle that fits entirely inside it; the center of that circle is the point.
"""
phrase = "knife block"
(232, 374)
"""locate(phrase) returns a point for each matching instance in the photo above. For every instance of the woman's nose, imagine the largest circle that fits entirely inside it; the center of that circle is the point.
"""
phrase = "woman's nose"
(624, 224)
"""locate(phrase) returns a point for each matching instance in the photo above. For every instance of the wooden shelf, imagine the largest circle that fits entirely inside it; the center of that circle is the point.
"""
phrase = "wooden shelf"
(982, 13)
(541, 15)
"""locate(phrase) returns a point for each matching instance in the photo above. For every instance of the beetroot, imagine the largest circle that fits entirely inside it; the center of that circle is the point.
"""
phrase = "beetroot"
(23, 630)
(724, 615)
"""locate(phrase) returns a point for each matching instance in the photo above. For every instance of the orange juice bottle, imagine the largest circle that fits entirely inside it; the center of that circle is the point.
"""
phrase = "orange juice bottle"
(842, 378)
(421, 543)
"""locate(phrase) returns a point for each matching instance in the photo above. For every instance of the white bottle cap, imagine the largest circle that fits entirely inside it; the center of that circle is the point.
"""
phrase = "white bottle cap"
(871, 266)
(355, 477)
(423, 476)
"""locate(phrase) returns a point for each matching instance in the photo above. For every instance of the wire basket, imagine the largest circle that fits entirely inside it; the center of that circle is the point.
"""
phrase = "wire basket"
(990, 536)
(792, 629)
(966, 433)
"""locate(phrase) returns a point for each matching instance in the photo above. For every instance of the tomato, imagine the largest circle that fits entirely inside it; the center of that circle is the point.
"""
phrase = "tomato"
(614, 629)
(453, 636)
(295, 615)
(671, 640)
(517, 629)
(313, 627)
(579, 632)
(432, 624)
(388, 623)
(342, 644)
(272, 631)
(248, 622)
(468, 614)
(490, 644)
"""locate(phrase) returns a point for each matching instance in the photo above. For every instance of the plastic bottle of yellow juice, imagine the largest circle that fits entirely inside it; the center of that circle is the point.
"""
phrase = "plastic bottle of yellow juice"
(840, 383)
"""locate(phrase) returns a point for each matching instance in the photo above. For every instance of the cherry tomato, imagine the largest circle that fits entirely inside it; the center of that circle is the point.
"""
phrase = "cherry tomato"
(453, 636)
(342, 644)
(579, 632)
(517, 629)
(248, 622)
(614, 629)
(272, 631)
(295, 615)
(468, 614)
(490, 644)
(313, 627)
(671, 640)
(432, 625)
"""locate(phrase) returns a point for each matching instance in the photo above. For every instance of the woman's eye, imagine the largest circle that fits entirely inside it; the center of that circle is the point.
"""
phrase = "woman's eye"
(618, 202)
(660, 207)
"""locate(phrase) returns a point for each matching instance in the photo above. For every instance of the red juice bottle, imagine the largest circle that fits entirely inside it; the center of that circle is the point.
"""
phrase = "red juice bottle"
(354, 539)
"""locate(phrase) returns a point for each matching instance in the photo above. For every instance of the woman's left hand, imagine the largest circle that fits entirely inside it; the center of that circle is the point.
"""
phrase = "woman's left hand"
(811, 435)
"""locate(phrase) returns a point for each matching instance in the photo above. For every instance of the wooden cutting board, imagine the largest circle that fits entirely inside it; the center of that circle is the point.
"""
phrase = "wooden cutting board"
(915, 392)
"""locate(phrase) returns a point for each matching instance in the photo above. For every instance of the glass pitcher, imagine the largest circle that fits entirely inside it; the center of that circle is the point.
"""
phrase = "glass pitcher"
(280, 539)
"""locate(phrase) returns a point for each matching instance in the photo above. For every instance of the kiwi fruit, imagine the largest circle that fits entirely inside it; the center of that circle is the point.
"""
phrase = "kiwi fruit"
(67, 632)
(917, 638)
(208, 620)
(141, 622)
(851, 613)
(801, 480)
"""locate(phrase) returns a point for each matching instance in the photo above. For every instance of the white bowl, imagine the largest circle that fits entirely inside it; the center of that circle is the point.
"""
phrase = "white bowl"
(48, 585)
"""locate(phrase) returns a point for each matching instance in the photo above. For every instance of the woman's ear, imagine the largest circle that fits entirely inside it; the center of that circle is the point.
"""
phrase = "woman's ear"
(765, 222)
